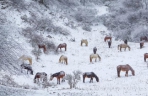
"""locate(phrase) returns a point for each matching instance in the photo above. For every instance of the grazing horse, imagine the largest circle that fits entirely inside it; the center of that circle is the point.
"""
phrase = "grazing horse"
(90, 75)
(141, 44)
(64, 45)
(84, 41)
(25, 57)
(58, 75)
(94, 50)
(109, 43)
(143, 38)
(108, 38)
(27, 67)
(123, 46)
(145, 56)
(94, 56)
(63, 59)
(125, 41)
(40, 76)
(125, 68)
(43, 47)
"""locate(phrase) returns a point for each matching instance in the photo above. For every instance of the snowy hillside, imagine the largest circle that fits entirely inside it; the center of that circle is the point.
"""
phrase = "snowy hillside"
(78, 59)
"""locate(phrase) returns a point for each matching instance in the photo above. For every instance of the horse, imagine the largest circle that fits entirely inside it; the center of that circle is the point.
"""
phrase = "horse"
(40, 76)
(84, 41)
(125, 41)
(63, 59)
(109, 43)
(25, 57)
(145, 56)
(63, 45)
(95, 56)
(143, 38)
(90, 75)
(94, 50)
(58, 75)
(107, 38)
(123, 46)
(27, 67)
(141, 44)
(126, 68)
(43, 47)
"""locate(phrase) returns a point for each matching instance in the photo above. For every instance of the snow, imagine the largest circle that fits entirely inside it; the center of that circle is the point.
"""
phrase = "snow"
(78, 59)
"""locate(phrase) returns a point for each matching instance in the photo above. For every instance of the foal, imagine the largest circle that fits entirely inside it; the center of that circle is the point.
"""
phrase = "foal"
(94, 50)
(43, 47)
(58, 75)
(90, 75)
(125, 68)
(27, 67)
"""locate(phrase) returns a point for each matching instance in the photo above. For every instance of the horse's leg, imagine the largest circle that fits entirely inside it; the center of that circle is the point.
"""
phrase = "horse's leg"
(83, 79)
(145, 59)
(120, 49)
(118, 73)
(126, 74)
(57, 80)
(95, 59)
(125, 49)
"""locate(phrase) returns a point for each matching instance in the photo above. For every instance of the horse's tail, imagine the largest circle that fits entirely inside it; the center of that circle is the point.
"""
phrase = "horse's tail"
(60, 58)
(90, 58)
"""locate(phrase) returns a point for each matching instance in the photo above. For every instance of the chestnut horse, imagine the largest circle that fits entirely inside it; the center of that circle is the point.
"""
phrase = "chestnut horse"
(40, 76)
(25, 57)
(123, 46)
(145, 56)
(43, 47)
(94, 56)
(107, 38)
(109, 43)
(84, 41)
(64, 45)
(58, 75)
(125, 68)
(27, 67)
(143, 38)
(90, 75)
(141, 45)
(63, 59)
(94, 50)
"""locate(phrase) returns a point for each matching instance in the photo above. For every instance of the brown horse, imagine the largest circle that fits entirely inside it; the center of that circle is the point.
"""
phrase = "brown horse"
(63, 59)
(84, 41)
(145, 56)
(141, 45)
(95, 50)
(58, 75)
(123, 46)
(143, 38)
(43, 47)
(40, 77)
(108, 38)
(94, 56)
(125, 41)
(125, 68)
(109, 43)
(25, 57)
(90, 75)
(64, 45)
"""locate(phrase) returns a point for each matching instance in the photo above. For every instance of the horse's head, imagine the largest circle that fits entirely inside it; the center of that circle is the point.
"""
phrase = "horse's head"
(133, 72)
(51, 77)
(31, 72)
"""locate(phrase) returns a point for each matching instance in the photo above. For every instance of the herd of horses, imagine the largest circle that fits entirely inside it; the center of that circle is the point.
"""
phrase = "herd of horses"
(42, 76)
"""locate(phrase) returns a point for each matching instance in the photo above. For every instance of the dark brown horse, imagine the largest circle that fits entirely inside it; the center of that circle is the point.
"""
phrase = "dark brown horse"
(58, 75)
(90, 75)
(141, 45)
(107, 38)
(125, 68)
(94, 50)
(27, 67)
(64, 45)
(125, 41)
(42, 46)
(143, 38)
(40, 77)
(145, 56)
(109, 43)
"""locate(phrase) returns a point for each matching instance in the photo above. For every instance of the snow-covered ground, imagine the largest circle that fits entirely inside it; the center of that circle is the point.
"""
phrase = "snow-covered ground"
(78, 59)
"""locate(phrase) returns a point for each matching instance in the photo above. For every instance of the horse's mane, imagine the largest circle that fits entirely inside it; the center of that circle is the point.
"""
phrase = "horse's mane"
(130, 67)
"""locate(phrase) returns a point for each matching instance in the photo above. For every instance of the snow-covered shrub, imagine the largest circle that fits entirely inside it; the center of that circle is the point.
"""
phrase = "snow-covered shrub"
(87, 28)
